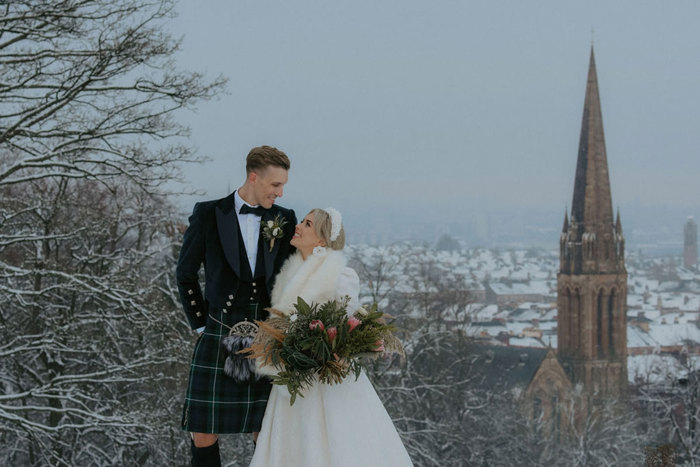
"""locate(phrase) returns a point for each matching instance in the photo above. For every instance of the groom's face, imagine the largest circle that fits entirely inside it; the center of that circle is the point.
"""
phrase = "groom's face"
(268, 185)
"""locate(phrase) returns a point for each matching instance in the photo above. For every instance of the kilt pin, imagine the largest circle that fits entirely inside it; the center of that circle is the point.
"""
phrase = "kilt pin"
(215, 403)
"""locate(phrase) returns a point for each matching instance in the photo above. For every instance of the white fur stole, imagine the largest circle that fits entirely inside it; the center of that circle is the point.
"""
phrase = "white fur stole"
(314, 280)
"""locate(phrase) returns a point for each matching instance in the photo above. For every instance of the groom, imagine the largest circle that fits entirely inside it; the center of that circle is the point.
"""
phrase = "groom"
(240, 265)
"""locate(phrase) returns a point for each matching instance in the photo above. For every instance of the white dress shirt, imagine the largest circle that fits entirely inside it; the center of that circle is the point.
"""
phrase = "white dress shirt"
(250, 230)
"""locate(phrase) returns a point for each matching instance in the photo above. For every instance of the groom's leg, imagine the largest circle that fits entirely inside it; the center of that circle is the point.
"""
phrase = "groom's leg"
(205, 450)
(202, 440)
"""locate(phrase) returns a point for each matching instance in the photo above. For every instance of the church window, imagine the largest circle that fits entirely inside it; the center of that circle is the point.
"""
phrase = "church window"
(536, 408)
(599, 324)
(556, 416)
(611, 323)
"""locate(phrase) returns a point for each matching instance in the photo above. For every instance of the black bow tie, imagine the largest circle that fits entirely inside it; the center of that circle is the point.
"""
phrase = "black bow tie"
(258, 211)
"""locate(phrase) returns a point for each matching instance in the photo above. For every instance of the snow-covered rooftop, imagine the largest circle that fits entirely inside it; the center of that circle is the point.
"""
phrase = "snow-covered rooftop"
(668, 304)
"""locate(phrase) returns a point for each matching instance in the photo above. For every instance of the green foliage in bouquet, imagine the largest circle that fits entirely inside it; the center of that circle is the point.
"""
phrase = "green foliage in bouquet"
(320, 342)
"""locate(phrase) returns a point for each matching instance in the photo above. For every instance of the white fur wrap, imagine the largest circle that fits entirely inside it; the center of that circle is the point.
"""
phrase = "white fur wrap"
(314, 280)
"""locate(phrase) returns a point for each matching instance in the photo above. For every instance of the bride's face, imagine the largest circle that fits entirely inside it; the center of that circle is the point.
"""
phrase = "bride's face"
(305, 238)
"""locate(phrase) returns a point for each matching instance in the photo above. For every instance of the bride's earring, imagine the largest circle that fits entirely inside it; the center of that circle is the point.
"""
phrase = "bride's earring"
(320, 251)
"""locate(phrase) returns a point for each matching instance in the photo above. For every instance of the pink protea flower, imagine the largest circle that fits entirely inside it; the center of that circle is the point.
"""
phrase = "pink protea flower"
(317, 323)
(379, 345)
(332, 332)
(353, 323)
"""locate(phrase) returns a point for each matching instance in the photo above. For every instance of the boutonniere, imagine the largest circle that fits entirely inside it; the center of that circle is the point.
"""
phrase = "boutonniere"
(272, 230)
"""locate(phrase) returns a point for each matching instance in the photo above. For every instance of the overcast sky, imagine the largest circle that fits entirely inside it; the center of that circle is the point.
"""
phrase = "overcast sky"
(447, 106)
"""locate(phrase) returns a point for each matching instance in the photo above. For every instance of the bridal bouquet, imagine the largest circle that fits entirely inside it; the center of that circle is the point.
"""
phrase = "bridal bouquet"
(321, 342)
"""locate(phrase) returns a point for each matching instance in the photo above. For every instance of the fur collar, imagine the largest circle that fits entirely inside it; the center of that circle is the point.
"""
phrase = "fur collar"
(314, 280)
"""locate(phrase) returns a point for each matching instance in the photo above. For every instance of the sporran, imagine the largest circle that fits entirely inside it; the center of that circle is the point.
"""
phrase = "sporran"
(237, 366)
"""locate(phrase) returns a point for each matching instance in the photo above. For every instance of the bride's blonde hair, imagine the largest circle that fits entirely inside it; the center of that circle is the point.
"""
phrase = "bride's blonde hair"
(323, 226)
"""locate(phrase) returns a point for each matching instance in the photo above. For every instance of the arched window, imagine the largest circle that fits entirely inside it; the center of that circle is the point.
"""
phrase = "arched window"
(575, 319)
(570, 311)
(536, 408)
(599, 324)
(612, 303)
(556, 416)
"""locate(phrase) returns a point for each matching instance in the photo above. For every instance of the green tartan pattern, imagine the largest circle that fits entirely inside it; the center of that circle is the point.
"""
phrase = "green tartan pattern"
(215, 403)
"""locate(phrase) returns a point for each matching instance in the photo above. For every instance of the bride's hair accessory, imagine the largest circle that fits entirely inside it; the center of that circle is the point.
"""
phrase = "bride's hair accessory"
(320, 251)
(336, 222)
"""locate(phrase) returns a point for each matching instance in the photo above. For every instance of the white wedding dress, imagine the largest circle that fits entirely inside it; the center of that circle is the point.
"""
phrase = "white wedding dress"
(340, 425)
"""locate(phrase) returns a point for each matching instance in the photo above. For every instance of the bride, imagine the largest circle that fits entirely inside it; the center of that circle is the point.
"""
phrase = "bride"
(332, 425)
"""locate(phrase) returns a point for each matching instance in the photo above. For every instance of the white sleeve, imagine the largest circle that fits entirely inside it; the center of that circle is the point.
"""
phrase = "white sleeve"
(348, 283)
(265, 370)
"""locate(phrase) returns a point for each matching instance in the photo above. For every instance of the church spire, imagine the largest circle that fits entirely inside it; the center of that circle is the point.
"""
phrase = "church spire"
(592, 279)
(592, 203)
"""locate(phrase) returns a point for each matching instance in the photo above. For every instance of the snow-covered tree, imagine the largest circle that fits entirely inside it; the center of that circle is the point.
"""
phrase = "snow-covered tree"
(447, 415)
(88, 89)
(672, 405)
(379, 269)
(92, 339)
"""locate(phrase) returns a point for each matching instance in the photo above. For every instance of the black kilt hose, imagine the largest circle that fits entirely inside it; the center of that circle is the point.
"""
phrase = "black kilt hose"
(215, 403)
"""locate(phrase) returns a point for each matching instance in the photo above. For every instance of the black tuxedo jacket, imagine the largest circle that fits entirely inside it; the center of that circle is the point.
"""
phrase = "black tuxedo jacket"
(212, 240)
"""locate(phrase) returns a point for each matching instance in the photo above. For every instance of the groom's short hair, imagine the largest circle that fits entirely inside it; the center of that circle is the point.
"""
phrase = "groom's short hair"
(262, 157)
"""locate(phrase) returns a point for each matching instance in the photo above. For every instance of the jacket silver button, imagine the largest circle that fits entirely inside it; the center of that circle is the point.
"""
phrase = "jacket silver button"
(199, 313)
(193, 302)
(228, 303)
(230, 297)
(191, 292)
(254, 284)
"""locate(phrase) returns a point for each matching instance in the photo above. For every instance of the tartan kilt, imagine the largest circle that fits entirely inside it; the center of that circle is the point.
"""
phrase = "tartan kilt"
(214, 402)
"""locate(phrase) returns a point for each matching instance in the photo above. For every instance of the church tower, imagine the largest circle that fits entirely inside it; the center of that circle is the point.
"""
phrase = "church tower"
(690, 244)
(592, 279)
